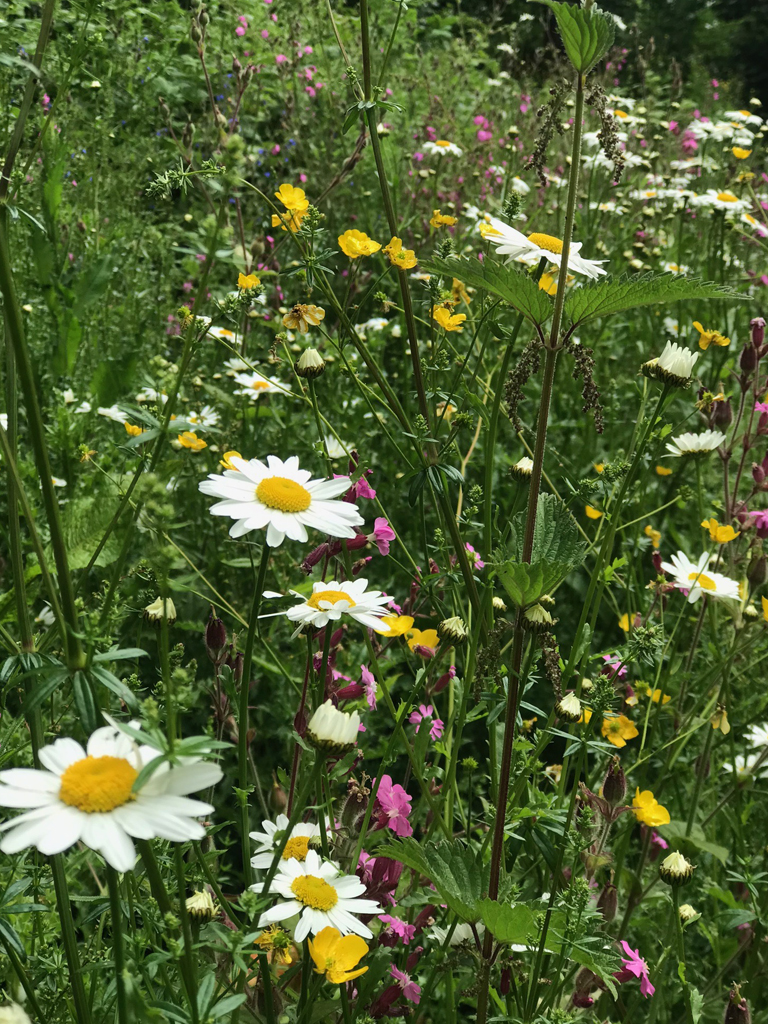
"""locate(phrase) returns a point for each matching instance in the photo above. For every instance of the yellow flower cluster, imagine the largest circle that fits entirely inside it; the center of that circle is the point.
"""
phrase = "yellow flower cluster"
(439, 220)
(296, 204)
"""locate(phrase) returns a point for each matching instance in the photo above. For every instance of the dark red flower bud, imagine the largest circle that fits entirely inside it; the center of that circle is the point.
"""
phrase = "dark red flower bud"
(607, 902)
(615, 783)
(758, 473)
(722, 414)
(737, 1010)
(215, 638)
(758, 331)
(748, 360)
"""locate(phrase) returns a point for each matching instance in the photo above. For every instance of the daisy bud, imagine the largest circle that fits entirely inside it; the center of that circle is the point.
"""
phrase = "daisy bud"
(569, 708)
(498, 604)
(200, 908)
(12, 1013)
(737, 1010)
(154, 612)
(615, 784)
(523, 468)
(547, 600)
(215, 638)
(674, 366)
(332, 731)
(687, 913)
(454, 630)
(537, 619)
(310, 364)
(675, 869)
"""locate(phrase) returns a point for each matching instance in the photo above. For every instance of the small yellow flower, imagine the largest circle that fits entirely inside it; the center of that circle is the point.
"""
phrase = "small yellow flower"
(764, 602)
(663, 471)
(423, 638)
(247, 281)
(448, 321)
(86, 453)
(720, 534)
(741, 154)
(707, 338)
(132, 430)
(439, 220)
(356, 243)
(290, 221)
(403, 259)
(226, 460)
(617, 729)
(655, 535)
(278, 942)
(459, 292)
(719, 720)
(189, 439)
(657, 695)
(592, 513)
(302, 317)
(598, 467)
(292, 198)
(398, 624)
(586, 715)
(553, 772)
(648, 810)
(337, 956)
(626, 619)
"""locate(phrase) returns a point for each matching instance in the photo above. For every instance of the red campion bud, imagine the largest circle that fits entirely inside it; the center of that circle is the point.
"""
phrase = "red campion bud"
(758, 331)
(215, 638)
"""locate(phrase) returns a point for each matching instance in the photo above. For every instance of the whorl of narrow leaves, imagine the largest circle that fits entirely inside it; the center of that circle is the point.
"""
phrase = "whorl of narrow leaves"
(587, 33)
(512, 286)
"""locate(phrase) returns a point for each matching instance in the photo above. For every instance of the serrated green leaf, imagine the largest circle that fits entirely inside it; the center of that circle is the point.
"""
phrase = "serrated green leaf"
(593, 301)
(457, 873)
(587, 34)
(506, 283)
(508, 923)
(555, 537)
(523, 583)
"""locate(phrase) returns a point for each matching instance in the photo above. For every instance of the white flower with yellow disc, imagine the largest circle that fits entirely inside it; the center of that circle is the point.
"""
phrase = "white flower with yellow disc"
(281, 498)
(321, 895)
(329, 601)
(698, 579)
(89, 796)
(298, 845)
(255, 384)
(510, 242)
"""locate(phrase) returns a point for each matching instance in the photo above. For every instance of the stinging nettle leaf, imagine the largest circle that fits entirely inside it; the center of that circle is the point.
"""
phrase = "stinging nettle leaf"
(587, 33)
(512, 286)
(458, 874)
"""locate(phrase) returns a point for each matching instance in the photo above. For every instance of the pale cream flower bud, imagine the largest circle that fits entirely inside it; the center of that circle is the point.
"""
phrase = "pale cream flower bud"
(675, 869)
(200, 907)
(310, 364)
(333, 731)
(154, 612)
(12, 1013)
(454, 630)
(569, 708)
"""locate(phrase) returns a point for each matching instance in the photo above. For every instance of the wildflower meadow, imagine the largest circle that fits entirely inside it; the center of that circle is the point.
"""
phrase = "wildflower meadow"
(384, 447)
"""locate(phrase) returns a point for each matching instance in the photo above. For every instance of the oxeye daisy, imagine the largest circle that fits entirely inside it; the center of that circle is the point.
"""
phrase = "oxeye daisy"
(695, 444)
(674, 366)
(510, 242)
(321, 896)
(697, 579)
(329, 601)
(90, 796)
(442, 147)
(281, 498)
(298, 845)
(254, 385)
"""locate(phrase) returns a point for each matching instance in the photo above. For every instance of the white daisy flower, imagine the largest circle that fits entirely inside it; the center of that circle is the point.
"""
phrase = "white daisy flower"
(676, 268)
(329, 601)
(207, 417)
(757, 226)
(282, 498)
(337, 449)
(757, 736)
(674, 365)
(695, 444)
(691, 576)
(441, 147)
(510, 242)
(743, 117)
(151, 395)
(520, 186)
(376, 323)
(111, 412)
(236, 365)
(323, 897)
(88, 796)
(68, 396)
(58, 481)
(461, 933)
(746, 765)
(727, 201)
(255, 385)
(225, 334)
(84, 407)
(297, 846)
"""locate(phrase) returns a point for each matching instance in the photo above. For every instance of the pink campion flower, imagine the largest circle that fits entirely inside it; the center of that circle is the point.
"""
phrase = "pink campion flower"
(239, 31)
(614, 666)
(425, 714)
(474, 557)
(633, 966)
(761, 522)
(369, 685)
(761, 406)
(674, 127)
(281, 59)
(411, 990)
(393, 805)
(483, 135)
(265, 33)
(399, 929)
(382, 535)
(437, 729)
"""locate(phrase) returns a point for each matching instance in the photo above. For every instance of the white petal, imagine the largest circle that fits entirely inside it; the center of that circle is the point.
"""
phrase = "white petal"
(60, 755)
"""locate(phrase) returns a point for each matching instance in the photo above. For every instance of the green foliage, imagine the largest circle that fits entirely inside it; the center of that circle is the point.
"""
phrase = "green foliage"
(509, 923)
(587, 32)
(457, 871)
(511, 285)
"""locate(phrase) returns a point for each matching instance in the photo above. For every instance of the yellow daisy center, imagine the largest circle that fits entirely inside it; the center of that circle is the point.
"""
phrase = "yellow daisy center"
(726, 197)
(296, 848)
(314, 892)
(702, 581)
(259, 385)
(334, 596)
(96, 785)
(548, 242)
(442, 142)
(620, 113)
(281, 493)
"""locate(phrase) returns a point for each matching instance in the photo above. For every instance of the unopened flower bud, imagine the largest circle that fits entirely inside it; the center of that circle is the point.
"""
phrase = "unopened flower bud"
(453, 630)
(757, 573)
(215, 638)
(615, 783)
(737, 1010)
(523, 468)
(195, 33)
(675, 869)
(12, 1013)
(608, 901)
(687, 913)
(757, 327)
(537, 619)
(278, 800)
(722, 414)
(155, 612)
(310, 364)
(332, 731)
(569, 708)
(200, 907)
(498, 604)
(748, 360)
(758, 474)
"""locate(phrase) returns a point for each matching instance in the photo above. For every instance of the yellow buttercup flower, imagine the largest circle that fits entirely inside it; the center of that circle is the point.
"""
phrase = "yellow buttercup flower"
(655, 535)
(741, 154)
(302, 317)
(189, 439)
(710, 337)
(226, 460)
(132, 430)
(337, 956)
(290, 221)
(617, 729)
(438, 220)
(720, 534)
(657, 695)
(447, 320)
(592, 513)
(398, 625)
(459, 292)
(247, 281)
(598, 467)
(403, 259)
(277, 942)
(292, 198)
(356, 243)
(423, 638)
(626, 619)
(663, 471)
(648, 810)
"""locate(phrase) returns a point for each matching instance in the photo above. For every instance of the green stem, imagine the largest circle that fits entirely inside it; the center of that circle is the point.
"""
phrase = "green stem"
(117, 943)
(82, 1006)
(186, 931)
(681, 954)
(24, 981)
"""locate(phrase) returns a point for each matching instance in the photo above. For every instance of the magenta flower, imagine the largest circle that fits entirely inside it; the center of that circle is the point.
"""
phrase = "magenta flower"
(369, 685)
(633, 966)
(411, 990)
(382, 535)
(399, 929)
(281, 59)
(761, 522)
(761, 406)
(393, 805)
(424, 714)
(614, 666)
(474, 557)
